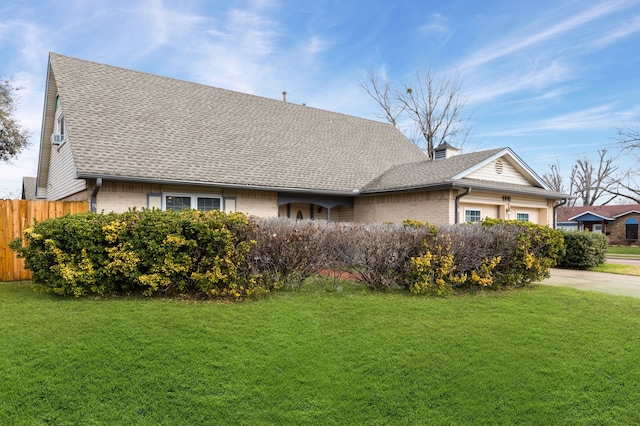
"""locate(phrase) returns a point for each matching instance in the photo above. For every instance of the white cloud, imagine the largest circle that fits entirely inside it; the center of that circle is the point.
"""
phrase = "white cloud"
(316, 45)
(437, 25)
(516, 43)
(595, 118)
(167, 26)
(621, 31)
(535, 79)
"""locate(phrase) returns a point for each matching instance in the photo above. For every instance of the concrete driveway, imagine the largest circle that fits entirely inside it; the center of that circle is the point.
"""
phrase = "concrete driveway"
(619, 285)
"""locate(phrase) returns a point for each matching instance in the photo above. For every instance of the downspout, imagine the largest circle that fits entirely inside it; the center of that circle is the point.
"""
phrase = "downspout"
(555, 215)
(458, 204)
(94, 195)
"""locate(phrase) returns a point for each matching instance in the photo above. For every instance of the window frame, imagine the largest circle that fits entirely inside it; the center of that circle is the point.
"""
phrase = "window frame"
(518, 214)
(60, 127)
(194, 199)
(467, 211)
(631, 229)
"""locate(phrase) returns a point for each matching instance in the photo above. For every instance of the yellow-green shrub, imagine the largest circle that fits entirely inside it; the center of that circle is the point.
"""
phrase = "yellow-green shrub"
(149, 251)
(433, 273)
(537, 249)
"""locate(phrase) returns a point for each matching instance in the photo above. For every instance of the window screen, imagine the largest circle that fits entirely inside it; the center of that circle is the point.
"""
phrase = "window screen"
(173, 202)
(207, 204)
(472, 215)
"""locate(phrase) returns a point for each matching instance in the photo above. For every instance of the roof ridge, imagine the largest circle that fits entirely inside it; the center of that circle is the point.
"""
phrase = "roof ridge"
(208, 86)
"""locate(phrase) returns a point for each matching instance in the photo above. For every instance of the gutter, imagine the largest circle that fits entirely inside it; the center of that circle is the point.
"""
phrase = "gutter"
(555, 215)
(352, 193)
(94, 195)
(458, 204)
(537, 192)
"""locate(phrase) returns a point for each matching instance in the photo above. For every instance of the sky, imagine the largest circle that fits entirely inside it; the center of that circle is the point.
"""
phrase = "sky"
(552, 79)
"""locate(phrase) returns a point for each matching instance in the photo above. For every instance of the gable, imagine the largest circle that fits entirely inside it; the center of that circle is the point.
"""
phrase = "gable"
(500, 170)
(589, 217)
(48, 120)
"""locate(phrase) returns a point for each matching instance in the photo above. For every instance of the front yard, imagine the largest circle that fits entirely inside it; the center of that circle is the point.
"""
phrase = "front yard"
(330, 353)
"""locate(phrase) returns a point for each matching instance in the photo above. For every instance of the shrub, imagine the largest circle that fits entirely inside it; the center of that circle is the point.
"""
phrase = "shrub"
(149, 251)
(67, 253)
(286, 252)
(583, 250)
(433, 272)
(228, 255)
(537, 249)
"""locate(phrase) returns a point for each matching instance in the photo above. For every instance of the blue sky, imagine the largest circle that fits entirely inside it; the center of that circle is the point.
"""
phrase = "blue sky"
(552, 79)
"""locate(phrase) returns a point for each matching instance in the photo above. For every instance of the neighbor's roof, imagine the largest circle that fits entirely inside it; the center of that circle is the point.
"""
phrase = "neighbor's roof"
(609, 212)
(28, 188)
(125, 124)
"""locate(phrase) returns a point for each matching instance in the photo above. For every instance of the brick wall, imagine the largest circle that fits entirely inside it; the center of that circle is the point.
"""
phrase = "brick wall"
(434, 207)
(617, 230)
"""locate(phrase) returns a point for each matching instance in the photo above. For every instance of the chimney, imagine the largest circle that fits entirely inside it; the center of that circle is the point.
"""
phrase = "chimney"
(284, 96)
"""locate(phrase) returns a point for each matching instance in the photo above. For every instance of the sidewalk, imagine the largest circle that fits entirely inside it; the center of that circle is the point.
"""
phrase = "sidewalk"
(619, 285)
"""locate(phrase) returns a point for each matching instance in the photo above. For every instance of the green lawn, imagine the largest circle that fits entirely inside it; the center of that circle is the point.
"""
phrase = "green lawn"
(614, 268)
(327, 354)
(628, 250)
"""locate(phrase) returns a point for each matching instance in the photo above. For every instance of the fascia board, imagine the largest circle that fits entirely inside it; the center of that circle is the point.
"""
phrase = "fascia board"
(588, 212)
(512, 155)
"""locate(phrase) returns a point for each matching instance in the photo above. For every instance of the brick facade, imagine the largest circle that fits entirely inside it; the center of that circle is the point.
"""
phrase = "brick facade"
(617, 230)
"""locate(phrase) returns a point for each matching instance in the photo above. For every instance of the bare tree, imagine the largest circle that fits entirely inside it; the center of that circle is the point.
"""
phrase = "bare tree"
(629, 137)
(553, 179)
(384, 96)
(590, 183)
(13, 137)
(628, 186)
(433, 104)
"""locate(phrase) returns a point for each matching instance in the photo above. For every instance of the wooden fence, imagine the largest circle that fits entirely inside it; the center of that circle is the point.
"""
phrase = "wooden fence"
(18, 215)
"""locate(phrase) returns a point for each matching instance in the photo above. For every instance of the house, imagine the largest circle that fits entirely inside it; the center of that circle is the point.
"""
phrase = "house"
(28, 188)
(619, 223)
(120, 139)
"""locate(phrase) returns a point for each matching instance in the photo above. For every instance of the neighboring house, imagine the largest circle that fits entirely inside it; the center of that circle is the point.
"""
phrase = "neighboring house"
(619, 223)
(28, 188)
(120, 139)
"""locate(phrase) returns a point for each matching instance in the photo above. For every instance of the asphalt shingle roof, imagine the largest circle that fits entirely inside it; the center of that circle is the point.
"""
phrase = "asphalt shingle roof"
(609, 211)
(427, 172)
(128, 124)
(28, 188)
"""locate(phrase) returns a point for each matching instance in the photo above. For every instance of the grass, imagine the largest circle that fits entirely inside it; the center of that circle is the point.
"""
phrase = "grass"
(625, 250)
(614, 268)
(328, 354)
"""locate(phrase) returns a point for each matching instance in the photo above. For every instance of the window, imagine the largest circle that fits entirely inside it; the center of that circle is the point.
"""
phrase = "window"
(522, 217)
(472, 215)
(61, 125)
(631, 228)
(186, 201)
(207, 204)
(173, 202)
